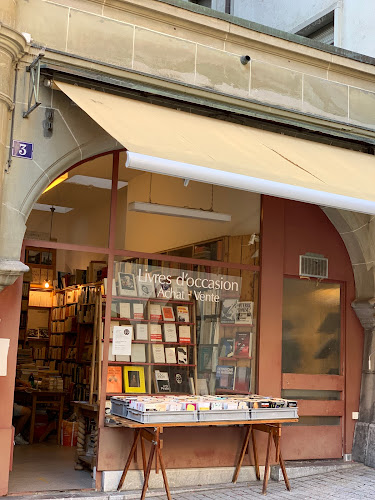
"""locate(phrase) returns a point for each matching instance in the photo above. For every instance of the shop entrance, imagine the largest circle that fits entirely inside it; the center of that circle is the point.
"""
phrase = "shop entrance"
(312, 362)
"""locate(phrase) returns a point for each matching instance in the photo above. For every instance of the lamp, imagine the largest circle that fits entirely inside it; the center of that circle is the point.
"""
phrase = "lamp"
(46, 284)
(369, 361)
(189, 213)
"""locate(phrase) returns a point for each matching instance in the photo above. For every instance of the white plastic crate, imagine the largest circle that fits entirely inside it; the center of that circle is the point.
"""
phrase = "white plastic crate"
(220, 415)
(273, 413)
(157, 417)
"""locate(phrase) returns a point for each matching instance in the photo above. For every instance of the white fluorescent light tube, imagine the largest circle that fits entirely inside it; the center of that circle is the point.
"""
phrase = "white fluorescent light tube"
(173, 168)
(47, 208)
(189, 213)
(98, 182)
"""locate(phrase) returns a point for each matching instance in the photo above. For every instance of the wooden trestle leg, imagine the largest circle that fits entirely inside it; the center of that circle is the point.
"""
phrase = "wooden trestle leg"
(255, 451)
(148, 470)
(128, 462)
(267, 466)
(242, 454)
(281, 462)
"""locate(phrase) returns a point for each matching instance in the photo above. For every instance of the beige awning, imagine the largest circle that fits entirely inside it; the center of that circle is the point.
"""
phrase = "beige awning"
(188, 145)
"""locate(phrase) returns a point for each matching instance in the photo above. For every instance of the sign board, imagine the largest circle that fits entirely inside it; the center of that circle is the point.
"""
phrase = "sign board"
(22, 149)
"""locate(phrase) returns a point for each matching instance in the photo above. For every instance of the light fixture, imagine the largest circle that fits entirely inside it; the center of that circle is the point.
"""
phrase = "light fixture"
(56, 182)
(47, 208)
(369, 361)
(46, 284)
(190, 213)
(98, 182)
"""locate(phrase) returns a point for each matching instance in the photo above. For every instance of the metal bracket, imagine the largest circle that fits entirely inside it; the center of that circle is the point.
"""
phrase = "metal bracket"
(34, 70)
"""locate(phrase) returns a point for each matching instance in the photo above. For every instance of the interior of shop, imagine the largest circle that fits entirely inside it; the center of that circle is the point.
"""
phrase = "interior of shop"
(181, 344)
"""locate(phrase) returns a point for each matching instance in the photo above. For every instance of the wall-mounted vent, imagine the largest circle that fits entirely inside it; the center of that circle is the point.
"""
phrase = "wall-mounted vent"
(313, 266)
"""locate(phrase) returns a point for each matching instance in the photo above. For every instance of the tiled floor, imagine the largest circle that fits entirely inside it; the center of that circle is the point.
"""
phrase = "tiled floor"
(46, 467)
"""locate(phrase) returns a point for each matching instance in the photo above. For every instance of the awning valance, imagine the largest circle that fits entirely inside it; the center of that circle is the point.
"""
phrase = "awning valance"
(172, 142)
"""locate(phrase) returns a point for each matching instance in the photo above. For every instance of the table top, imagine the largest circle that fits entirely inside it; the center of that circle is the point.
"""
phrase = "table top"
(131, 424)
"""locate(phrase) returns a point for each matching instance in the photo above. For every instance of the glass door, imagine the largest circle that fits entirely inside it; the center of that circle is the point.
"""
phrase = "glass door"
(312, 365)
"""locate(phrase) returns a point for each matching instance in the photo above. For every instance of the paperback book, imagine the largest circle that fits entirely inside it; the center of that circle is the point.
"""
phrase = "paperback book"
(155, 333)
(226, 348)
(158, 354)
(242, 379)
(183, 314)
(170, 333)
(229, 311)
(168, 314)
(141, 332)
(114, 379)
(138, 310)
(184, 334)
(138, 354)
(244, 315)
(162, 381)
(124, 309)
(155, 312)
(170, 355)
(225, 377)
(242, 345)
(126, 285)
(182, 356)
(145, 288)
(179, 380)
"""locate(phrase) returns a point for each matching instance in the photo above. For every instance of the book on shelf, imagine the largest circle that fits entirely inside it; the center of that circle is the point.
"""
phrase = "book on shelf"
(134, 379)
(138, 354)
(242, 345)
(242, 379)
(168, 314)
(205, 358)
(114, 379)
(141, 331)
(124, 309)
(179, 380)
(155, 312)
(161, 381)
(228, 311)
(202, 387)
(182, 355)
(170, 355)
(126, 285)
(170, 333)
(146, 289)
(226, 348)
(245, 311)
(158, 354)
(180, 291)
(113, 324)
(155, 332)
(184, 334)
(225, 377)
(138, 310)
(105, 284)
(183, 314)
(164, 290)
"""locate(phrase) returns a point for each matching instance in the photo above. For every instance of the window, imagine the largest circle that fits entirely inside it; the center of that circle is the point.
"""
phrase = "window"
(321, 30)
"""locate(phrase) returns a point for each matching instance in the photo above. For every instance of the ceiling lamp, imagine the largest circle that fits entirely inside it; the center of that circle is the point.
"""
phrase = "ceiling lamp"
(189, 213)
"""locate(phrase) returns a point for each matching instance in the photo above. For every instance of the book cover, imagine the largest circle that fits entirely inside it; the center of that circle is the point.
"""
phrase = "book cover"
(225, 377)
(179, 380)
(245, 312)
(242, 379)
(170, 333)
(155, 333)
(226, 349)
(162, 381)
(114, 379)
(126, 285)
(134, 379)
(138, 311)
(170, 355)
(183, 314)
(141, 331)
(146, 289)
(202, 387)
(184, 334)
(124, 309)
(155, 312)
(228, 311)
(158, 354)
(182, 356)
(168, 314)
(180, 291)
(113, 324)
(205, 358)
(138, 354)
(164, 290)
(242, 345)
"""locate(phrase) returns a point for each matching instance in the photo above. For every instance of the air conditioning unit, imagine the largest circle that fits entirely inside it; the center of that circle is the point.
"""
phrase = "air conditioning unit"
(313, 265)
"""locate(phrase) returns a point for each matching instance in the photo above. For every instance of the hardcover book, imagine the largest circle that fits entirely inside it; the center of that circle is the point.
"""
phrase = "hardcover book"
(225, 377)
(184, 334)
(162, 381)
(226, 349)
(229, 311)
(182, 356)
(155, 312)
(158, 354)
(183, 314)
(155, 333)
(245, 312)
(242, 345)
(170, 355)
(170, 334)
(124, 308)
(126, 285)
(114, 379)
(168, 314)
(138, 311)
(141, 331)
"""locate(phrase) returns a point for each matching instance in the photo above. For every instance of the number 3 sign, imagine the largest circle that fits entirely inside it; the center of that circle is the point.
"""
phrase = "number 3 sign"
(22, 149)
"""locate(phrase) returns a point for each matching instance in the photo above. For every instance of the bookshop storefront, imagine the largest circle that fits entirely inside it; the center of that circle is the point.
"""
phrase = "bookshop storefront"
(206, 278)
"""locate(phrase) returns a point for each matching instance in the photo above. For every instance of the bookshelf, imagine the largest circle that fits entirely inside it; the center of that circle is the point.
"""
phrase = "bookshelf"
(146, 363)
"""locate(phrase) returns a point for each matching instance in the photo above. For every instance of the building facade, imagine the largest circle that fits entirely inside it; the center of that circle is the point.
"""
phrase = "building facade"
(316, 99)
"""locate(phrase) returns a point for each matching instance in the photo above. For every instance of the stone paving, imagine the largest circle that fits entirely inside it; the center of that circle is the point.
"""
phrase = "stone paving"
(352, 483)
